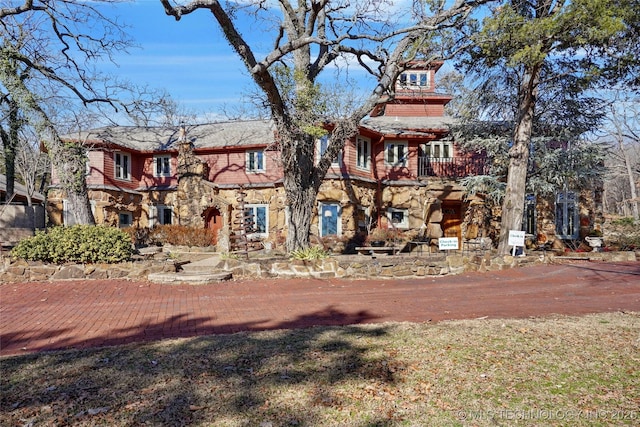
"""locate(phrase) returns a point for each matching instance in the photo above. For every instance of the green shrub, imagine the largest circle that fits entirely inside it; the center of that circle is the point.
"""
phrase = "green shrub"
(78, 244)
(309, 254)
(626, 221)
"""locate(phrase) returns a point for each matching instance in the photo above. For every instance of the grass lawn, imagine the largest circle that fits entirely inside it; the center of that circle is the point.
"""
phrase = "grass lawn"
(543, 371)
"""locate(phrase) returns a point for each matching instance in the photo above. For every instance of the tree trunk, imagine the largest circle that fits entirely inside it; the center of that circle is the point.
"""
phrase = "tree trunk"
(10, 143)
(300, 183)
(301, 203)
(69, 161)
(513, 204)
(630, 176)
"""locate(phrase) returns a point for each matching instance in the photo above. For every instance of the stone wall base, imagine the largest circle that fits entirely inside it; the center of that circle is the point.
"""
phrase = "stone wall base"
(342, 266)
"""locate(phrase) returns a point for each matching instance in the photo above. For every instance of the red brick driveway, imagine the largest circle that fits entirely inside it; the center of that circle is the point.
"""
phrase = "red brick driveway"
(74, 314)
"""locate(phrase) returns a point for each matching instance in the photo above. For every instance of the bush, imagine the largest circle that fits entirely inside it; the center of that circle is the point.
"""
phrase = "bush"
(181, 235)
(311, 253)
(78, 244)
(626, 221)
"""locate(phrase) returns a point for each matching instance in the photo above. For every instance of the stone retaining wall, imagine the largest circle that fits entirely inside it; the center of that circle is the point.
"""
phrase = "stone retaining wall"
(23, 271)
(402, 266)
(343, 266)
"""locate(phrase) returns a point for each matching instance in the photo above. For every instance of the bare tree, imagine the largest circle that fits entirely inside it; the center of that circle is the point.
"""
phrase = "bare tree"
(308, 37)
(624, 131)
(47, 49)
(32, 166)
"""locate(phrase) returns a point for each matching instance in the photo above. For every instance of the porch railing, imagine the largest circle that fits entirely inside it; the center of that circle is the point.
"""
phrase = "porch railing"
(452, 167)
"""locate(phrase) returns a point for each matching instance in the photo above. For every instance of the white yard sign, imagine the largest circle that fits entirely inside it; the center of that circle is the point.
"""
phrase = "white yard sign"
(448, 243)
(516, 238)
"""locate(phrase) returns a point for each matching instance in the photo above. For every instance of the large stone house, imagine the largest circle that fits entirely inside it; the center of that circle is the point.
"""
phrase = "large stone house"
(401, 171)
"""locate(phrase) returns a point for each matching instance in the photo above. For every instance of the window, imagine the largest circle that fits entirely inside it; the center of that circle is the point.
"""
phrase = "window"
(365, 222)
(255, 161)
(529, 220)
(398, 217)
(122, 168)
(125, 219)
(160, 214)
(396, 153)
(329, 222)
(363, 148)
(323, 144)
(162, 166)
(415, 79)
(257, 219)
(438, 150)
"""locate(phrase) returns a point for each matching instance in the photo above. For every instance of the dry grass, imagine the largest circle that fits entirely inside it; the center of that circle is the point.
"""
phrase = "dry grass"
(551, 371)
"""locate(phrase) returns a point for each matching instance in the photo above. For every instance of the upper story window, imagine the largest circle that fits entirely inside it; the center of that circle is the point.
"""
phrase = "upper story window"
(323, 144)
(415, 79)
(122, 166)
(437, 149)
(395, 153)
(363, 153)
(162, 166)
(255, 161)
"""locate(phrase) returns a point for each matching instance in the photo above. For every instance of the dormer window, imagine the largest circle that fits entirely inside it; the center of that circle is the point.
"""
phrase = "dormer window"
(414, 79)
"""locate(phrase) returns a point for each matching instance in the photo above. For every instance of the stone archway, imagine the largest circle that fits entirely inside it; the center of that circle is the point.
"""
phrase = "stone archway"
(214, 221)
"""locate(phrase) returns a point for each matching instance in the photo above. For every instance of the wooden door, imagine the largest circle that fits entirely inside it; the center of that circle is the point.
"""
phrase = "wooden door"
(213, 221)
(452, 220)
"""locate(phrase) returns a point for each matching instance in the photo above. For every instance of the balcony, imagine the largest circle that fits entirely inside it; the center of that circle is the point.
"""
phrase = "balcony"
(452, 167)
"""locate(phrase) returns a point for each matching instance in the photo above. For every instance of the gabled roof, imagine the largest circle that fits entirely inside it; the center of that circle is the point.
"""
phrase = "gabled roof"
(407, 126)
(242, 133)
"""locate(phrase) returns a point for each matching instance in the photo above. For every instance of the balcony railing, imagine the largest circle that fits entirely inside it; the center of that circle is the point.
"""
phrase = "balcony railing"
(452, 167)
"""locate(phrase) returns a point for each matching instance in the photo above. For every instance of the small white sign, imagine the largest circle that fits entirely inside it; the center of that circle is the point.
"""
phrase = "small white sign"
(448, 243)
(516, 238)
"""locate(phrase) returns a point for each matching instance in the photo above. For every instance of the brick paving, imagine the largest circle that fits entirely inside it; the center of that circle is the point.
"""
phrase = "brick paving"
(46, 316)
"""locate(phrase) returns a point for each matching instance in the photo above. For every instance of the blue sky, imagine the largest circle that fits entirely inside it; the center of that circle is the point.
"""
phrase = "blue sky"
(189, 58)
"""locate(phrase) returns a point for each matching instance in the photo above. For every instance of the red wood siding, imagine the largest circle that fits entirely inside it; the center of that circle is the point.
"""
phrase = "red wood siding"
(229, 167)
(414, 110)
(147, 178)
(135, 170)
(96, 168)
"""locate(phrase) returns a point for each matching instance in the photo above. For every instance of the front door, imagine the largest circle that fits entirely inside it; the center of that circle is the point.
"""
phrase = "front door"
(213, 221)
(329, 219)
(452, 220)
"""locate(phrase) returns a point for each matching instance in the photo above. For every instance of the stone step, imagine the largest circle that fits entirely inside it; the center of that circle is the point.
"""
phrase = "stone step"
(190, 278)
(207, 265)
